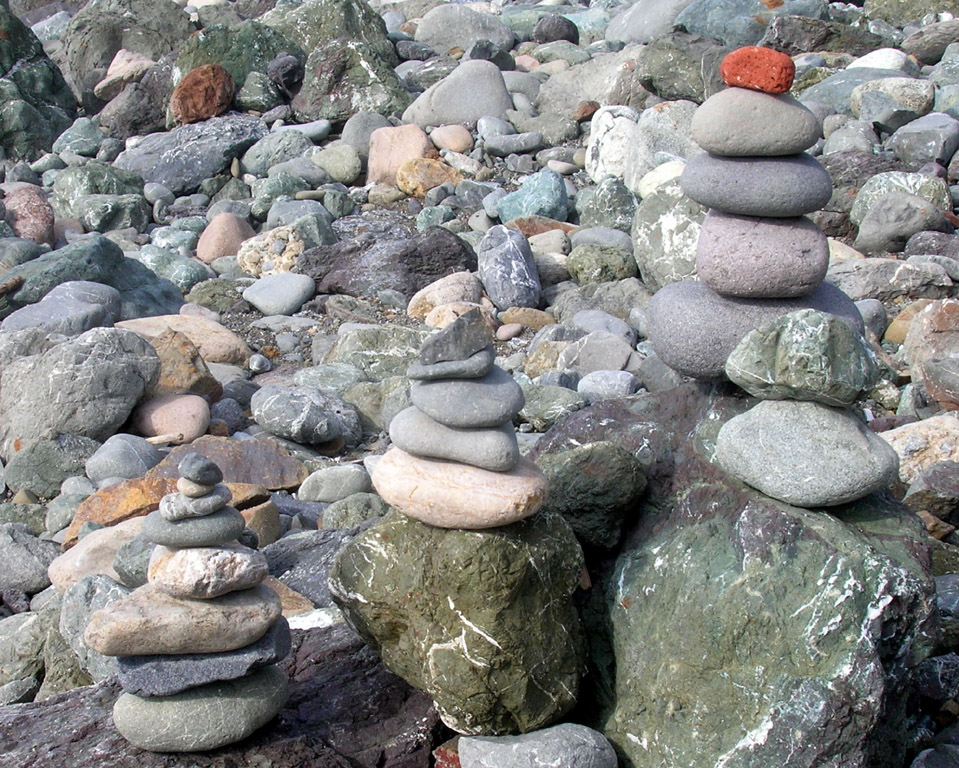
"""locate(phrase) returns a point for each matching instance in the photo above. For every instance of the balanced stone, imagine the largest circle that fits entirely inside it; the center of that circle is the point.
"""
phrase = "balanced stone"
(758, 186)
(450, 495)
(487, 402)
(494, 448)
(761, 258)
(738, 122)
(193, 490)
(166, 675)
(179, 506)
(805, 454)
(202, 718)
(148, 621)
(754, 66)
(460, 340)
(694, 329)
(805, 355)
(475, 366)
(206, 572)
(219, 528)
(199, 469)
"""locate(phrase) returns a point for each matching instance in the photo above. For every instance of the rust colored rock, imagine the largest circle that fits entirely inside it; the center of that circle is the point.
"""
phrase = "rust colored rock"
(537, 225)
(29, 214)
(761, 69)
(585, 110)
(203, 93)
(182, 369)
(419, 175)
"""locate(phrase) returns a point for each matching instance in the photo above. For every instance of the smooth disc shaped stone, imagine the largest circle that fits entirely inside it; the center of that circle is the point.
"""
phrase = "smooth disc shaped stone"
(805, 454)
(494, 449)
(450, 495)
(166, 675)
(193, 490)
(218, 528)
(148, 621)
(757, 186)
(476, 366)
(761, 258)
(738, 122)
(487, 402)
(199, 469)
(693, 329)
(202, 718)
(205, 572)
(179, 506)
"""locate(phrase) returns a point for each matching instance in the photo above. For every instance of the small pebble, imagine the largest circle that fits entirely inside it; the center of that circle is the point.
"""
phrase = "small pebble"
(509, 331)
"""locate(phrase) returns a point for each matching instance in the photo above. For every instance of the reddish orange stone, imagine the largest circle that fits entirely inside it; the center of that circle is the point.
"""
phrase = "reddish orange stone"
(205, 92)
(761, 69)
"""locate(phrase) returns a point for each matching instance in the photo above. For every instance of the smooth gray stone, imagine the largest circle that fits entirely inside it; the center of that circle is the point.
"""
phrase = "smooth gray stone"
(605, 385)
(202, 718)
(219, 528)
(471, 91)
(487, 402)
(517, 143)
(177, 506)
(123, 455)
(24, 559)
(694, 329)
(282, 293)
(645, 20)
(567, 745)
(197, 468)
(758, 186)
(895, 217)
(495, 449)
(806, 454)
(305, 414)
(166, 675)
(740, 122)
(836, 89)
(458, 341)
(932, 138)
(475, 366)
(874, 316)
(589, 320)
(335, 483)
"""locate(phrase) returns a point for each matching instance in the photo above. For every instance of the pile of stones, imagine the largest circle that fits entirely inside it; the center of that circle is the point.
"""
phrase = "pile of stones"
(198, 645)
(761, 314)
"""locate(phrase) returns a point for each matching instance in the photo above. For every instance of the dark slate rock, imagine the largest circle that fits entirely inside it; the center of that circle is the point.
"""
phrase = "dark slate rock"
(199, 469)
(682, 66)
(475, 366)
(742, 22)
(795, 35)
(940, 756)
(938, 678)
(507, 269)
(555, 27)
(458, 341)
(166, 675)
(189, 154)
(303, 561)
(218, 528)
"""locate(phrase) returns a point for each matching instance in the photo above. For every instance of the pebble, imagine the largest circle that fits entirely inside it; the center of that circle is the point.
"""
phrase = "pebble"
(509, 331)
(199, 469)
(334, 483)
(180, 506)
(475, 366)
(568, 744)
(469, 403)
(210, 530)
(122, 455)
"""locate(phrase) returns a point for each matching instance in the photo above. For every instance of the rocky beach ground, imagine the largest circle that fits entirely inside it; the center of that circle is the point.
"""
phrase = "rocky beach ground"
(495, 384)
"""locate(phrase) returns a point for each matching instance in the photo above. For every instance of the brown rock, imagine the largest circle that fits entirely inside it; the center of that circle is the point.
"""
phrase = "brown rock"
(535, 319)
(182, 369)
(537, 225)
(544, 357)
(419, 175)
(444, 314)
(585, 110)
(94, 553)
(924, 443)
(457, 287)
(223, 236)
(206, 572)
(126, 67)
(937, 528)
(29, 214)
(255, 462)
(148, 621)
(391, 147)
(182, 418)
(898, 329)
(216, 343)
(931, 349)
(294, 604)
(264, 521)
(116, 503)
(203, 93)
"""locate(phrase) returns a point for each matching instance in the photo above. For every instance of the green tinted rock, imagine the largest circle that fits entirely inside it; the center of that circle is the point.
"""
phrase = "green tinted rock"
(926, 186)
(546, 405)
(543, 194)
(665, 232)
(218, 294)
(104, 213)
(354, 510)
(377, 402)
(480, 620)
(608, 204)
(31, 515)
(258, 94)
(805, 355)
(267, 191)
(600, 264)
(379, 351)
(93, 178)
(900, 12)
(182, 271)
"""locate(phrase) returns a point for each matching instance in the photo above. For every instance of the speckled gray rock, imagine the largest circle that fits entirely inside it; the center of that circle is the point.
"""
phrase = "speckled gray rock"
(475, 366)
(450, 26)
(694, 329)
(335, 483)
(80, 600)
(740, 122)
(493, 448)
(24, 559)
(926, 186)
(217, 528)
(568, 744)
(933, 138)
(281, 293)
(805, 355)
(761, 258)
(507, 269)
(895, 217)
(463, 403)
(305, 414)
(274, 148)
(202, 718)
(122, 455)
(473, 90)
(458, 341)
(758, 186)
(742, 22)
(791, 450)
(71, 308)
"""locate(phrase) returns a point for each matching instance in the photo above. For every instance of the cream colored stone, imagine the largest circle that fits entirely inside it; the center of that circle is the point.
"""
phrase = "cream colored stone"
(223, 236)
(661, 174)
(453, 137)
(148, 621)
(451, 495)
(458, 287)
(93, 554)
(924, 443)
(839, 252)
(205, 572)
(126, 67)
(216, 343)
(444, 314)
(273, 251)
(390, 148)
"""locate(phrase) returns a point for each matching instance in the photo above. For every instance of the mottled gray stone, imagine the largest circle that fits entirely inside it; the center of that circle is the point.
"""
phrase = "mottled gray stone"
(507, 269)
(463, 403)
(451, 26)
(895, 217)
(926, 186)
(41, 465)
(886, 279)
(217, 528)
(282, 293)
(378, 351)
(24, 559)
(80, 601)
(742, 22)
(305, 414)
(335, 483)
(561, 745)
(933, 138)
(473, 90)
(123, 455)
(71, 308)
(458, 341)
(476, 366)
(274, 148)
(645, 20)
(835, 90)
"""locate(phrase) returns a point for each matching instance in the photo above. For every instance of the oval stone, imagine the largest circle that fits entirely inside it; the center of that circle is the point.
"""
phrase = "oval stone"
(805, 454)
(204, 572)
(203, 718)
(693, 329)
(219, 528)
(449, 495)
(738, 122)
(494, 449)
(763, 69)
(464, 403)
(757, 186)
(761, 258)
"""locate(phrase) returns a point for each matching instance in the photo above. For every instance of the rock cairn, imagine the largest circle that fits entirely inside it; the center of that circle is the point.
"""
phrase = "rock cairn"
(456, 462)
(198, 645)
(761, 314)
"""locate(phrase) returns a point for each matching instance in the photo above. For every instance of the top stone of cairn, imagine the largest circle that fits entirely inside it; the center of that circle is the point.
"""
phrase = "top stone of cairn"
(760, 69)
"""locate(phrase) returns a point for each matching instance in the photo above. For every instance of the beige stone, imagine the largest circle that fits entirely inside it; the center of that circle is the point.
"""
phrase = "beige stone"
(183, 417)
(223, 236)
(216, 343)
(451, 495)
(294, 604)
(444, 314)
(528, 317)
(206, 572)
(275, 250)
(126, 67)
(264, 520)
(390, 148)
(419, 175)
(898, 329)
(839, 252)
(458, 287)
(93, 554)
(148, 621)
(453, 137)
(924, 443)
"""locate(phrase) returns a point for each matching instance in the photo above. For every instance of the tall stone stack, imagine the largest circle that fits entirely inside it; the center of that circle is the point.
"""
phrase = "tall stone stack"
(760, 313)
(198, 645)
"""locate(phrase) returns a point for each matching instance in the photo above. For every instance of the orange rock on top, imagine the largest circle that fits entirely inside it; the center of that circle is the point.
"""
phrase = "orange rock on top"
(761, 69)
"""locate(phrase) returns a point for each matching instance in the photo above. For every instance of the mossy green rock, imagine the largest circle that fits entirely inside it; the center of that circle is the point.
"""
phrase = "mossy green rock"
(379, 351)
(354, 510)
(901, 12)
(483, 621)
(74, 184)
(608, 204)
(104, 213)
(590, 263)
(218, 294)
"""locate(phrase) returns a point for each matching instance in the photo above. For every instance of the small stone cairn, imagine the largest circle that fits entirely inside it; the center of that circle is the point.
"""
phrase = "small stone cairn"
(197, 646)
(760, 313)
(455, 461)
